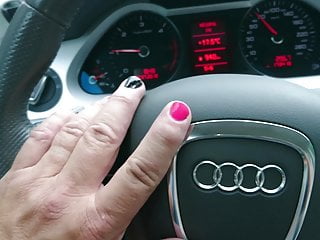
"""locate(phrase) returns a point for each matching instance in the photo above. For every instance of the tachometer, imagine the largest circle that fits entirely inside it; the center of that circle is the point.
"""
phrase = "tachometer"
(142, 43)
(280, 38)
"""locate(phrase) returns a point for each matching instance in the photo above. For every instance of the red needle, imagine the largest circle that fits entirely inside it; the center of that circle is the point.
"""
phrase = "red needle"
(267, 25)
(99, 76)
(126, 51)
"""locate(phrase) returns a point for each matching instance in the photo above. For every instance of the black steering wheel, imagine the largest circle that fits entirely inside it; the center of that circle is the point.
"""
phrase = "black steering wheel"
(249, 168)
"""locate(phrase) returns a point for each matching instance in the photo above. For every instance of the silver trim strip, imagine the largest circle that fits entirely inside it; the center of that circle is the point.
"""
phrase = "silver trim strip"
(38, 90)
(250, 130)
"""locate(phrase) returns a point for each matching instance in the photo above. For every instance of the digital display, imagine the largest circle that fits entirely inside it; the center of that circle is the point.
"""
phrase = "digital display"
(147, 74)
(282, 61)
(210, 48)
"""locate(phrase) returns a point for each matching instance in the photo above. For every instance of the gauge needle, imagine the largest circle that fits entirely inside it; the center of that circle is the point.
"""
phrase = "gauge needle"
(266, 24)
(100, 76)
(126, 51)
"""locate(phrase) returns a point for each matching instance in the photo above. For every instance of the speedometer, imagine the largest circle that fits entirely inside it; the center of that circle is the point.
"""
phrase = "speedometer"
(142, 43)
(280, 38)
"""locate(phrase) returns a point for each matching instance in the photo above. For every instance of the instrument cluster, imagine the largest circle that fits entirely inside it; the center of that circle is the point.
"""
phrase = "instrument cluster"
(279, 38)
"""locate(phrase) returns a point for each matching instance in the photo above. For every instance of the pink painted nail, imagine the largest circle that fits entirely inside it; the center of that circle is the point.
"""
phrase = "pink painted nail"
(179, 111)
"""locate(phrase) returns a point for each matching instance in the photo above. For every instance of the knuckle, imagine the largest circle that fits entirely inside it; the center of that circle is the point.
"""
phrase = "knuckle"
(41, 134)
(52, 208)
(144, 172)
(100, 222)
(169, 135)
(103, 134)
(121, 100)
(93, 227)
(75, 128)
(66, 139)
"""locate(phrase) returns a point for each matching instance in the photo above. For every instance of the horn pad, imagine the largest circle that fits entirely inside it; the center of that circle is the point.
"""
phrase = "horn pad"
(237, 179)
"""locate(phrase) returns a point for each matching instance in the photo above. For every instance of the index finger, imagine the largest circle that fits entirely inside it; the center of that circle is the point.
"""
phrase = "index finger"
(120, 200)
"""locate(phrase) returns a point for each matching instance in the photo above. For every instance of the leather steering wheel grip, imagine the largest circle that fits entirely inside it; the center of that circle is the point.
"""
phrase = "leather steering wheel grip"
(27, 50)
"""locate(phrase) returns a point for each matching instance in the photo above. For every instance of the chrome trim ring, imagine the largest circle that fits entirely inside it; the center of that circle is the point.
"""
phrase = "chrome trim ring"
(259, 178)
(216, 180)
(227, 188)
(215, 129)
(283, 180)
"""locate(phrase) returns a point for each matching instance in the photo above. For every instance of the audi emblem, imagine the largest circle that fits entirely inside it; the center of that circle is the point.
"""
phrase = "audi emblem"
(217, 176)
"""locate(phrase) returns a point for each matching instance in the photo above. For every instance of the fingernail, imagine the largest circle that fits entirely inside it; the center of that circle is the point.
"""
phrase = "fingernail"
(133, 82)
(179, 111)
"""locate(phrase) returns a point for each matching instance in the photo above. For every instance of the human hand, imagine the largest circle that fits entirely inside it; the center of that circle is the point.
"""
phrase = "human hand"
(54, 190)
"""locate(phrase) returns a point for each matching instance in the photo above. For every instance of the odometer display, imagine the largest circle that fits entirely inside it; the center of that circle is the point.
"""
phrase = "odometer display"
(142, 44)
(279, 37)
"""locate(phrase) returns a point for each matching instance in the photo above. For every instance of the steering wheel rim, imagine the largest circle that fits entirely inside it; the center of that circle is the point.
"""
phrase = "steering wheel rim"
(26, 56)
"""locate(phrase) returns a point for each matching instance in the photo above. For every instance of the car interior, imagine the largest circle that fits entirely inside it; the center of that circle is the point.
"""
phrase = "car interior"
(248, 69)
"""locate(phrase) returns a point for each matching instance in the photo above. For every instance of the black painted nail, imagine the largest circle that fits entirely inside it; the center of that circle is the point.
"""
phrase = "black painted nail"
(133, 82)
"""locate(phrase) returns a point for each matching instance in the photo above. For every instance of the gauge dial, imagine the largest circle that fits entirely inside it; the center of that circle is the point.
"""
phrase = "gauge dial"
(279, 38)
(143, 44)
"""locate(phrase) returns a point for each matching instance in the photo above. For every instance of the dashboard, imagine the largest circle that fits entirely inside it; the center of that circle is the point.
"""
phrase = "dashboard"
(163, 41)
(278, 38)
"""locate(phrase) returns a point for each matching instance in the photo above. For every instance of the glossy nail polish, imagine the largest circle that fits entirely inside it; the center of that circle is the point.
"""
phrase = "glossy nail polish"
(179, 111)
(133, 82)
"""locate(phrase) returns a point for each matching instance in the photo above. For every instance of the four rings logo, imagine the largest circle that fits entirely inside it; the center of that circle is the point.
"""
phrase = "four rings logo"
(217, 176)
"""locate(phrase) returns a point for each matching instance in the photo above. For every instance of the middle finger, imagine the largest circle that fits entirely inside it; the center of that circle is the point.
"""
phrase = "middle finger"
(95, 152)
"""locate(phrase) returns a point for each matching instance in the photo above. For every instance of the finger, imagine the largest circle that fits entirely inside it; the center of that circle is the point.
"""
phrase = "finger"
(40, 140)
(95, 152)
(65, 141)
(119, 201)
